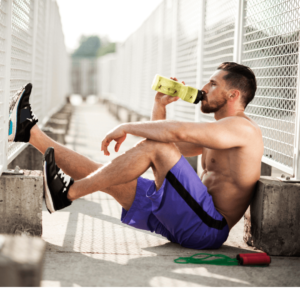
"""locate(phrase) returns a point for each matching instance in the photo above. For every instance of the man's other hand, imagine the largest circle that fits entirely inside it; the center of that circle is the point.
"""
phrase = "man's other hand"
(118, 134)
(164, 99)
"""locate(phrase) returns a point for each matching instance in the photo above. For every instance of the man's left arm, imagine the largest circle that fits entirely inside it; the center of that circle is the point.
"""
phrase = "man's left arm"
(224, 134)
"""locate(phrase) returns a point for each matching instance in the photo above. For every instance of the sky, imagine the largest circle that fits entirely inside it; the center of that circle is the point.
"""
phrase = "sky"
(115, 19)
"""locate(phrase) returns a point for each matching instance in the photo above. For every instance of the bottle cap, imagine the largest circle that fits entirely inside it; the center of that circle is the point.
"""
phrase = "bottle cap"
(199, 96)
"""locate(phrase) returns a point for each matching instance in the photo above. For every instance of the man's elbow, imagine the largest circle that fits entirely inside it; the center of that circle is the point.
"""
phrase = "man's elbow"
(180, 136)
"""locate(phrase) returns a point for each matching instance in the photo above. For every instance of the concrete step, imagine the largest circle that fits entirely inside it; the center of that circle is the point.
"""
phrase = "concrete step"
(21, 261)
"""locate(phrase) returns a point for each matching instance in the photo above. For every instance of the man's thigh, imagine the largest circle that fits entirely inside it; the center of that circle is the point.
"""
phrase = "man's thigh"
(186, 209)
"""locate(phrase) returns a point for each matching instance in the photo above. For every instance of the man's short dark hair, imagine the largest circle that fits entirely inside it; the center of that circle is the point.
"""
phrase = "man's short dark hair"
(241, 78)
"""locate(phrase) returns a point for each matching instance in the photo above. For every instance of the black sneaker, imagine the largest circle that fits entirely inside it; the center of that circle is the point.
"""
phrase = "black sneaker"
(21, 117)
(57, 183)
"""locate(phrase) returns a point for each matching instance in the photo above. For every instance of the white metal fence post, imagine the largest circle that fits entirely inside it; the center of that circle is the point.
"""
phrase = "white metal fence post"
(34, 36)
(6, 85)
(296, 157)
(239, 32)
(174, 49)
(199, 78)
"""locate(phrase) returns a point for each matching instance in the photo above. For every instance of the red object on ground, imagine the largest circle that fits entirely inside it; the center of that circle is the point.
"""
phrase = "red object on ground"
(252, 259)
(239, 256)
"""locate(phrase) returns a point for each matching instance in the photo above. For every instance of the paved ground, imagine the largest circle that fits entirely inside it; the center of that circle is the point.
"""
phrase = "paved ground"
(87, 245)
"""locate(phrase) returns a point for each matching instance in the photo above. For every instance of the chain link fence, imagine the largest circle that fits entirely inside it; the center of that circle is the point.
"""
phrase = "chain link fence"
(190, 38)
(32, 50)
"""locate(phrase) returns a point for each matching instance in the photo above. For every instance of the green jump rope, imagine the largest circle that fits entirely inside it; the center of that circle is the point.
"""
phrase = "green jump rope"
(261, 259)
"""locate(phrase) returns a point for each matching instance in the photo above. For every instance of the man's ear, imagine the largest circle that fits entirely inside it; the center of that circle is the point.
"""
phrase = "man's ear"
(233, 95)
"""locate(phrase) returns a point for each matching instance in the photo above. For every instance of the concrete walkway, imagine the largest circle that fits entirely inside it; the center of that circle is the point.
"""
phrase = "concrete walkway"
(87, 245)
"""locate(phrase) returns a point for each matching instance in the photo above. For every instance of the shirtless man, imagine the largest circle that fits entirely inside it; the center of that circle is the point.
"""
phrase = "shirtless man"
(194, 212)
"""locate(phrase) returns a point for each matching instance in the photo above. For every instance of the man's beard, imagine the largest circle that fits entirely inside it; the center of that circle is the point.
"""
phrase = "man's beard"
(213, 107)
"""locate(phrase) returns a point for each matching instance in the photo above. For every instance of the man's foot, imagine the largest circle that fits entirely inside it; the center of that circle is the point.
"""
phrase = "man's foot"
(57, 183)
(21, 117)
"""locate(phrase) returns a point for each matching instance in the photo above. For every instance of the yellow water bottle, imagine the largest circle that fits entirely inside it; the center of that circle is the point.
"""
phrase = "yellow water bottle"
(176, 89)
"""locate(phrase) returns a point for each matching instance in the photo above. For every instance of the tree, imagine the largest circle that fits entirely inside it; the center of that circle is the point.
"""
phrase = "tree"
(88, 47)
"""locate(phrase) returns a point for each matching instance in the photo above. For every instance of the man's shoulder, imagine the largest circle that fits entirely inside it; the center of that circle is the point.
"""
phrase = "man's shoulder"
(243, 121)
(246, 129)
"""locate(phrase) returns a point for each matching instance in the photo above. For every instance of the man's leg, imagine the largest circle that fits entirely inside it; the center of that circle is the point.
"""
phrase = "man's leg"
(78, 166)
(128, 167)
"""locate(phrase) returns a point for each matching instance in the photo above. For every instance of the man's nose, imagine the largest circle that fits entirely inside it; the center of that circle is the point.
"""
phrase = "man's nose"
(205, 88)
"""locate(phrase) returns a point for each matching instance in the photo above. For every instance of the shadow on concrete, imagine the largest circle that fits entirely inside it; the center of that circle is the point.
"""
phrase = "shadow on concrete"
(106, 265)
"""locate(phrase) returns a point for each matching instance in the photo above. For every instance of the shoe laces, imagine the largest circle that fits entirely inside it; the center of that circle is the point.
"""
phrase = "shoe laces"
(65, 179)
(33, 116)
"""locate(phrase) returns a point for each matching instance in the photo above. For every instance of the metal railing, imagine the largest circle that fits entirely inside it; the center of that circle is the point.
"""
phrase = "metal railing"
(32, 49)
(190, 38)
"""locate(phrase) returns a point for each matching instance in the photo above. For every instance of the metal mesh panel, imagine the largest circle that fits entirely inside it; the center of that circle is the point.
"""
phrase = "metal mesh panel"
(168, 43)
(218, 41)
(271, 49)
(106, 76)
(21, 52)
(36, 57)
(186, 52)
(150, 62)
(136, 69)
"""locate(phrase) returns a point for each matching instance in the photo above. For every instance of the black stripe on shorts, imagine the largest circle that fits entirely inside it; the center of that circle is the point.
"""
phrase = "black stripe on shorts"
(194, 205)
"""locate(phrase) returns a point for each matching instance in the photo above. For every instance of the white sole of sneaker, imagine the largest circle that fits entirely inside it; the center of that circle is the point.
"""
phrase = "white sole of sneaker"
(48, 198)
(14, 120)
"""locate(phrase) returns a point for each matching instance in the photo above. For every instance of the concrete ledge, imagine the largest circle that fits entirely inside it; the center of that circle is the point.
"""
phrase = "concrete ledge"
(29, 159)
(272, 223)
(21, 198)
(21, 261)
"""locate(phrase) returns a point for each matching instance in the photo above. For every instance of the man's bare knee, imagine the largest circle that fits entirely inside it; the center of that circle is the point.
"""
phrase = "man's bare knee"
(158, 149)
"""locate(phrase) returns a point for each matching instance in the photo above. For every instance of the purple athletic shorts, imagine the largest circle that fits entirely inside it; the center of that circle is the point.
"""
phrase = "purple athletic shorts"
(181, 210)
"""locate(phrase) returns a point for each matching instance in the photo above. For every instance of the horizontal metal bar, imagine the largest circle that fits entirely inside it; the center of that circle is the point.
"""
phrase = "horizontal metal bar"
(213, 37)
(277, 165)
(278, 152)
(268, 57)
(276, 87)
(205, 46)
(218, 50)
(16, 153)
(273, 67)
(270, 107)
(277, 130)
(267, 37)
(209, 31)
(269, 118)
(274, 98)
(216, 58)
(278, 141)
(269, 47)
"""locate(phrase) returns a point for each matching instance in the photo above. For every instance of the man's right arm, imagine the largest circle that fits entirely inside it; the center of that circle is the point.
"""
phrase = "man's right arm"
(159, 112)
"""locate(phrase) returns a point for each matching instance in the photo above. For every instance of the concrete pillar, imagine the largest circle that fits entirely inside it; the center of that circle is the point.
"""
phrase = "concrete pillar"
(21, 261)
(21, 198)
(266, 170)
(272, 223)
(28, 159)
(193, 162)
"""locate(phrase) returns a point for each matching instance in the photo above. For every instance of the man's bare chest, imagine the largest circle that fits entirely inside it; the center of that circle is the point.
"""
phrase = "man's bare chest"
(215, 160)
